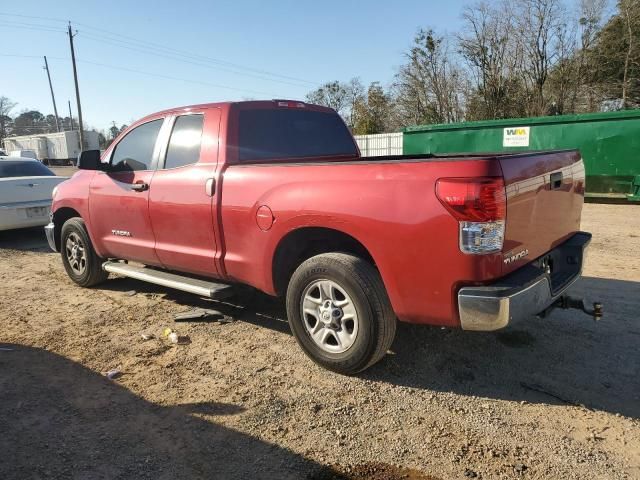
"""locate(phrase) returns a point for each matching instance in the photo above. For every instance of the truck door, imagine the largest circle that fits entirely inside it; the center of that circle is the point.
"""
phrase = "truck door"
(119, 198)
(181, 198)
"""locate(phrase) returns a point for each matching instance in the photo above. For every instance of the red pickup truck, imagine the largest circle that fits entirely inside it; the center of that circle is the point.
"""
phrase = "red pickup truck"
(275, 195)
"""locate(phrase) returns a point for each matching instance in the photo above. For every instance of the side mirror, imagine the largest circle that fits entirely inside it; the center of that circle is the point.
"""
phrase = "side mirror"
(89, 160)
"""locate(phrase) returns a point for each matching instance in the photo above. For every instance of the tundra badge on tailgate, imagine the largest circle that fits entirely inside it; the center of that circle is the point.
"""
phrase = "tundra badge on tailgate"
(516, 256)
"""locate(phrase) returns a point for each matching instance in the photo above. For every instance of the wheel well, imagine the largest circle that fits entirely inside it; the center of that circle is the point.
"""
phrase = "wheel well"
(59, 217)
(304, 243)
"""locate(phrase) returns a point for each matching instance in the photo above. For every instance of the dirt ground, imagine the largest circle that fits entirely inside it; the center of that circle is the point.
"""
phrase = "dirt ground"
(557, 398)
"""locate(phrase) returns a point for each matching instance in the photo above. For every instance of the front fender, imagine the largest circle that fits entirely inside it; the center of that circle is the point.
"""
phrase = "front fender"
(73, 194)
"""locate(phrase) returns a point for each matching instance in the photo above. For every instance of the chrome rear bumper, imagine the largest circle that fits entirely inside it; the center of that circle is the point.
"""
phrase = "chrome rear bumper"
(527, 291)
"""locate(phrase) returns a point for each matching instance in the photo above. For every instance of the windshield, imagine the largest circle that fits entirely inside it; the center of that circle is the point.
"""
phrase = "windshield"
(9, 168)
(288, 133)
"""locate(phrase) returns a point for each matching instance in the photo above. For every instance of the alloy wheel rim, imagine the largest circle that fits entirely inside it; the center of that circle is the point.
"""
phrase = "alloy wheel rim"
(76, 253)
(329, 316)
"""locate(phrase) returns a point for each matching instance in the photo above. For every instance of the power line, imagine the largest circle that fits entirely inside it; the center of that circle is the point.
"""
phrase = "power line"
(26, 56)
(155, 52)
(30, 27)
(48, 19)
(155, 75)
(169, 77)
(132, 41)
(178, 58)
(11, 21)
(195, 56)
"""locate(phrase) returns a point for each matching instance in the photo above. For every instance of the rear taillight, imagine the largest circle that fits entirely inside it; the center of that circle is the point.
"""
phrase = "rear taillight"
(479, 205)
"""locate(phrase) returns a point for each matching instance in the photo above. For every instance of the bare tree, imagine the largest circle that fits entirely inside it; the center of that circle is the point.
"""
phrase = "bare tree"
(488, 45)
(590, 14)
(564, 77)
(539, 23)
(356, 95)
(427, 87)
(6, 105)
(341, 96)
(331, 94)
(372, 112)
(630, 13)
(512, 59)
(615, 58)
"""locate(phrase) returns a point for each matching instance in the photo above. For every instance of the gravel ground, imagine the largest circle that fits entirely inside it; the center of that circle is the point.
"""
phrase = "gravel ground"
(554, 398)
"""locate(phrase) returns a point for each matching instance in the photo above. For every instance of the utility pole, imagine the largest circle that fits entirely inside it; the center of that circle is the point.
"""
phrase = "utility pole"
(70, 116)
(75, 79)
(53, 98)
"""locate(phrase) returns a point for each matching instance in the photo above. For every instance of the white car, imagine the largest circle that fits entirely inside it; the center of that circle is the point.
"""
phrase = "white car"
(26, 189)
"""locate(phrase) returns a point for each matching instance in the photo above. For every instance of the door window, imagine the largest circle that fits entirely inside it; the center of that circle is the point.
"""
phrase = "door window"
(185, 141)
(135, 150)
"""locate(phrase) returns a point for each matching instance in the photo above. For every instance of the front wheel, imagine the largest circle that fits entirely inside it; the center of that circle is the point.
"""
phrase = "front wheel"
(339, 312)
(79, 258)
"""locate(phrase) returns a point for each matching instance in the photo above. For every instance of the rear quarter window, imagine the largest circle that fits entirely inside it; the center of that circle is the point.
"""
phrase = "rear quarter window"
(185, 141)
(291, 133)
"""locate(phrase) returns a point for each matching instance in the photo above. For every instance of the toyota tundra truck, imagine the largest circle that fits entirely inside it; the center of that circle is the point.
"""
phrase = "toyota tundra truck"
(275, 195)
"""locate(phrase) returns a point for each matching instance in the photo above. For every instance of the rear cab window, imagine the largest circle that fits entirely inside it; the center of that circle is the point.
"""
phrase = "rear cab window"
(9, 168)
(282, 133)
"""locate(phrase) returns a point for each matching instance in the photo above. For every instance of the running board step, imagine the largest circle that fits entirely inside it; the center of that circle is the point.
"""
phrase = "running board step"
(196, 286)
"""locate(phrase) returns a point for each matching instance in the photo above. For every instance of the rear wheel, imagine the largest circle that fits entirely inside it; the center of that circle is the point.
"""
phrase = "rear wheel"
(339, 312)
(79, 258)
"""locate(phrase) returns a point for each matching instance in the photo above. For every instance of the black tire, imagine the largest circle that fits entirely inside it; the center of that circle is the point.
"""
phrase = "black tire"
(87, 272)
(375, 318)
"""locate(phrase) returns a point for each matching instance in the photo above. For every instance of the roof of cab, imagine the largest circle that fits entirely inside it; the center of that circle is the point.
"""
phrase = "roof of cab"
(257, 103)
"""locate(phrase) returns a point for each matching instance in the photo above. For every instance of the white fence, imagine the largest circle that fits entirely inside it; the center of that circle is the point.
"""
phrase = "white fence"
(380, 144)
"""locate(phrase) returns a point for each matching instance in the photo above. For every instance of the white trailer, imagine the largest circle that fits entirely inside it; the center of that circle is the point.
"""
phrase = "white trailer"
(59, 147)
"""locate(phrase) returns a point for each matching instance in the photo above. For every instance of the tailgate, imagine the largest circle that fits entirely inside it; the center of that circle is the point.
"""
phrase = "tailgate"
(545, 193)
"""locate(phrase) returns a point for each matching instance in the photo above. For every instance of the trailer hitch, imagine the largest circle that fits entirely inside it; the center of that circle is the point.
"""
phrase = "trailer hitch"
(566, 302)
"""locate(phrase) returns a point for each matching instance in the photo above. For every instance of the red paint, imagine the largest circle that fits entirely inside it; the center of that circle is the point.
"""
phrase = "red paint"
(390, 207)
(182, 212)
(113, 205)
(539, 218)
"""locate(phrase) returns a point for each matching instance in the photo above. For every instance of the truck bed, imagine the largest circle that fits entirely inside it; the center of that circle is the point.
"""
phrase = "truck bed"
(427, 157)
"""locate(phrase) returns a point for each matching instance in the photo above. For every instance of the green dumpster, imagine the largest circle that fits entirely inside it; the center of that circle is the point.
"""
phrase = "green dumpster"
(609, 143)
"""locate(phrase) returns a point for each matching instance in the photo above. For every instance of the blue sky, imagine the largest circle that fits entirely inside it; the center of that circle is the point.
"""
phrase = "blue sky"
(304, 43)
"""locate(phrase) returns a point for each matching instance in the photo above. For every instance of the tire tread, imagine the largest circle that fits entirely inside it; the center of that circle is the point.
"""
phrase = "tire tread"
(95, 274)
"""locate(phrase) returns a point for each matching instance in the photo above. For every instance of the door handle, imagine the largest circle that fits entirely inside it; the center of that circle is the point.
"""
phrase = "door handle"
(210, 186)
(556, 180)
(140, 187)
